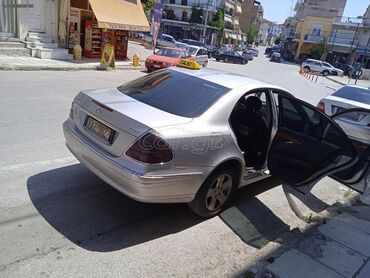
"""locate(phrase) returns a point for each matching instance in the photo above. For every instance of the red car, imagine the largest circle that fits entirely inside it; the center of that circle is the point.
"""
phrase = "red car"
(166, 57)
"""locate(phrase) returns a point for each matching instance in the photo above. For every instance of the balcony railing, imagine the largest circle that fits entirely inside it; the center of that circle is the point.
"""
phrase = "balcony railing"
(342, 41)
(313, 38)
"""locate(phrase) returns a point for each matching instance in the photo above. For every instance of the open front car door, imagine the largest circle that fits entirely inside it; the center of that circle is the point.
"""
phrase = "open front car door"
(356, 124)
(309, 145)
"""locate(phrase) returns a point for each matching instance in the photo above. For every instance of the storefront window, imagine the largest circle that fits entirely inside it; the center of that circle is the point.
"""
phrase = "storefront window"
(7, 16)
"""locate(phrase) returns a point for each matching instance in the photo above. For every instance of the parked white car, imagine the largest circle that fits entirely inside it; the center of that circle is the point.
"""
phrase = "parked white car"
(162, 40)
(322, 67)
(200, 54)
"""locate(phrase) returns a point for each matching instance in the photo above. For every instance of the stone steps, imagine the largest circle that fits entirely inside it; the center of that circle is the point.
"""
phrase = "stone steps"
(14, 51)
(44, 47)
(8, 44)
(41, 45)
(56, 53)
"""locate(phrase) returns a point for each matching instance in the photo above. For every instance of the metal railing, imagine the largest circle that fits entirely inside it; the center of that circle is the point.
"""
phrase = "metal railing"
(342, 41)
(313, 38)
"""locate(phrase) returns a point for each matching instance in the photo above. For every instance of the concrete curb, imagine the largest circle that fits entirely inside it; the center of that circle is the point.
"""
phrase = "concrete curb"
(60, 68)
(336, 81)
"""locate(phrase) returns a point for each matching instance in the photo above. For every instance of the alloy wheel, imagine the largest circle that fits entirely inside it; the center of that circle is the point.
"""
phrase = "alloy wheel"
(219, 192)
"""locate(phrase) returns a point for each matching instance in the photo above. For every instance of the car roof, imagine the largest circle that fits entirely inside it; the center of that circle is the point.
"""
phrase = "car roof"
(173, 48)
(226, 79)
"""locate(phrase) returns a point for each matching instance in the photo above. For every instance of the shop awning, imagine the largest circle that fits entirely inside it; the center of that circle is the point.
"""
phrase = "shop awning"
(120, 15)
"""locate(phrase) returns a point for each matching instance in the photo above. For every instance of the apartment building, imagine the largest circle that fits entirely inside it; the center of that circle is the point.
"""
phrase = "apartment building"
(312, 23)
(252, 15)
(320, 8)
(269, 31)
(179, 22)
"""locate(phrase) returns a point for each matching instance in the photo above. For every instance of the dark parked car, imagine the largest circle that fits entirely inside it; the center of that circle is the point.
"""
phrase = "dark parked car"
(348, 70)
(276, 57)
(230, 56)
(248, 54)
(254, 51)
(268, 50)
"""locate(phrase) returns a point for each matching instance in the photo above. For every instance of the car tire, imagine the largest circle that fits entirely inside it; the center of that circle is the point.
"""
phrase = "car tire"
(226, 60)
(335, 73)
(215, 193)
(243, 62)
(205, 64)
(325, 73)
(307, 68)
(218, 60)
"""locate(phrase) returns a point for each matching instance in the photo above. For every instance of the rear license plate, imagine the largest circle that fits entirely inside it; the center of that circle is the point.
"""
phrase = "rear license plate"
(100, 129)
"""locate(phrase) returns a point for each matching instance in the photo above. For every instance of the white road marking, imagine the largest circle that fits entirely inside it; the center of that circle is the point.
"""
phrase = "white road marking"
(23, 166)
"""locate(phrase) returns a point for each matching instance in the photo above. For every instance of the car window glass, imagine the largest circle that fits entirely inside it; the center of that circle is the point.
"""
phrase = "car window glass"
(302, 118)
(168, 52)
(317, 64)
(175, 92)
(354, 93)
(327, 65)
(185, 54)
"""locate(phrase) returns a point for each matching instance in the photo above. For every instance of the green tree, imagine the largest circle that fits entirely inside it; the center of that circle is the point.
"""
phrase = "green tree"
(170, 14)
(196, 15)
(252, 33)
(148, 8)
(317, 50)
(278, 39)
(218, 21)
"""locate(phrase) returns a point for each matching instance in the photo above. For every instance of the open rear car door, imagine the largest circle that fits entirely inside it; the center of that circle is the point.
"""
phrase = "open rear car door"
(356, 124)
(309, 145)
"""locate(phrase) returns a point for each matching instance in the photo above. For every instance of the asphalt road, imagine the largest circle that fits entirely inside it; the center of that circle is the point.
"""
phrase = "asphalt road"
(59, 220)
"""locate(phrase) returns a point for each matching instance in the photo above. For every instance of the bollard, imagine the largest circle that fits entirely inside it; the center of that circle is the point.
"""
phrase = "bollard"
(136, 60)
(77, 52)
(317, 77)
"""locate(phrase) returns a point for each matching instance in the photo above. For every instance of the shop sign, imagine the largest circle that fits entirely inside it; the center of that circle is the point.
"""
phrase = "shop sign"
(157, 17)
(119, 26)
(107, 58)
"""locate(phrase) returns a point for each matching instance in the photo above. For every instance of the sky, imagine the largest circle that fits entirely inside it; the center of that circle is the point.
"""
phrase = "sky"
(278, 10)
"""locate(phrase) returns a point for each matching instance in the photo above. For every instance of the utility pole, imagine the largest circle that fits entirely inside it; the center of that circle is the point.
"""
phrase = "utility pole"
(366, 49)
(353, 42)
(332, 45)
(205, 23)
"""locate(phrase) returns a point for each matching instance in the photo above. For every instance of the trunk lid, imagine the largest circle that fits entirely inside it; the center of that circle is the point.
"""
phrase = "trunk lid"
(127, 117)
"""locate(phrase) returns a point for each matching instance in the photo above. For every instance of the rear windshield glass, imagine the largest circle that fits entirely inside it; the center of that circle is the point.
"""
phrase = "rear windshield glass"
(175, 92)
(192, 50)
(168, 53)
(353, 93)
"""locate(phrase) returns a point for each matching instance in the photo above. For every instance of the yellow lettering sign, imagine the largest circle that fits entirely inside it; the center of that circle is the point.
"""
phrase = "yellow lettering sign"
(189, 64)
(107, 58)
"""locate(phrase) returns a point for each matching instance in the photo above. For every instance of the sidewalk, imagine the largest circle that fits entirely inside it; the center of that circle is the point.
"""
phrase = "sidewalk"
(338, 248)
(346, 81)
(34, 64)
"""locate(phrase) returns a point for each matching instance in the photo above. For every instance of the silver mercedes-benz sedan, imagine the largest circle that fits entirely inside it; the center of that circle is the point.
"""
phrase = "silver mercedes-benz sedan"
(196, 136)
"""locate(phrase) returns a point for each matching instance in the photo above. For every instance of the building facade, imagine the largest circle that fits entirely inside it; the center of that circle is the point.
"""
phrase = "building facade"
(311, 24)
(179, 21)
(252, 15)
(50, 28)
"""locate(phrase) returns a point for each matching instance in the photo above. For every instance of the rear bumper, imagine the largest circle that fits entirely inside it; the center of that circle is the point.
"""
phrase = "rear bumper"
(165, 188)
(151, 67)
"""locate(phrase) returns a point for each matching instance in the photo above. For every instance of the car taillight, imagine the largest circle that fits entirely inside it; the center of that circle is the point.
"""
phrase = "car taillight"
(150, 149)
(321, 106)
